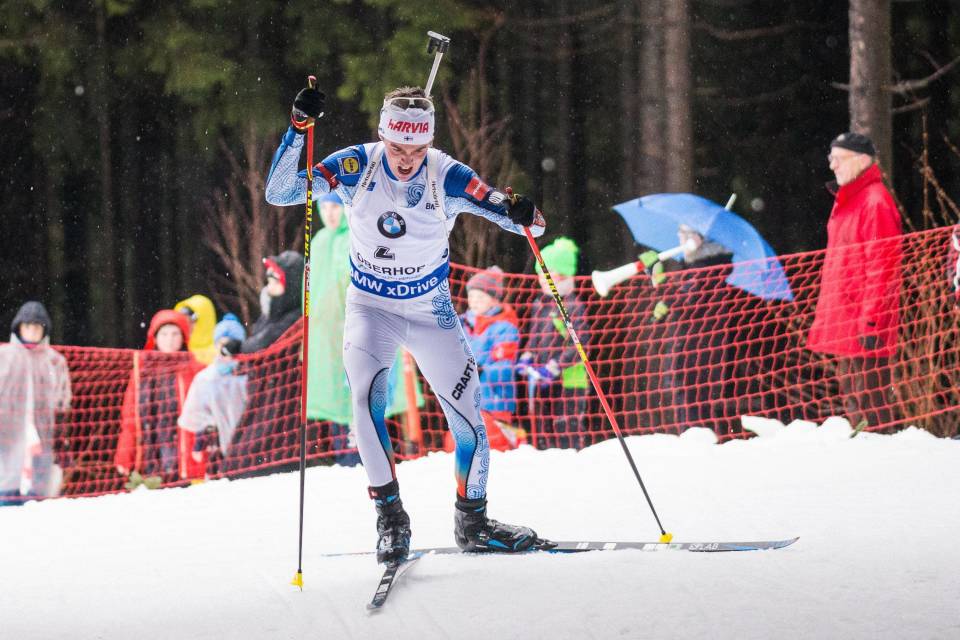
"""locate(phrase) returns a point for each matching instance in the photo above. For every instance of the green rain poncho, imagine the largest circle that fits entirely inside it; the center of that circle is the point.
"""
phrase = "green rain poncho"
(329, 395)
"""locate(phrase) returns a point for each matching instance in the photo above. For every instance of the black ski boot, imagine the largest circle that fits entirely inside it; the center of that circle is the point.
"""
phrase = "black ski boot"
(393, 524)
(474, 531)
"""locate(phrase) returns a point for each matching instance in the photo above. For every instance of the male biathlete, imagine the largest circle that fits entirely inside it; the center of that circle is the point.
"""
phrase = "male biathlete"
(402, 199)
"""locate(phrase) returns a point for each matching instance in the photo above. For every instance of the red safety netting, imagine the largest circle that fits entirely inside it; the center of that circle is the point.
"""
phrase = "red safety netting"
(695, 350)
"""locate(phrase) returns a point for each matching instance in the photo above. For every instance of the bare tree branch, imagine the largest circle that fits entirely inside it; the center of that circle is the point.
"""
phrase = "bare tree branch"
(241, 228)
(929, 58)
(574, 18)
(480, 140)
(12, 43)
(906, 86)
(912, 106)
(950, 145)
(760, 98)
(733, 35)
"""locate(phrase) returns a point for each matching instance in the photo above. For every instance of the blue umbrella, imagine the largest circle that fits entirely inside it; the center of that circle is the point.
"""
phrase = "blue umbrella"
(655, 219)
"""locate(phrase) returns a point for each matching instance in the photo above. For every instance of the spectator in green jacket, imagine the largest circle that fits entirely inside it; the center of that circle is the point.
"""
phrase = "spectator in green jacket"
(550, 361)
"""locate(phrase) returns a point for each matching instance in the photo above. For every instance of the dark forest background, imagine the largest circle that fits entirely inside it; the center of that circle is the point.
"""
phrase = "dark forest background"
(135, 135)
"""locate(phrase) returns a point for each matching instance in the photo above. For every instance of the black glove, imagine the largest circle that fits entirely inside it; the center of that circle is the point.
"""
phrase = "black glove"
(308, 104)
(231, 347)
(869, 342)
(521, 210)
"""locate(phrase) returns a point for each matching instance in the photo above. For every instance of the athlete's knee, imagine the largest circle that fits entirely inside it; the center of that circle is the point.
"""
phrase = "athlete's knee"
(370, 392)
(359, 362)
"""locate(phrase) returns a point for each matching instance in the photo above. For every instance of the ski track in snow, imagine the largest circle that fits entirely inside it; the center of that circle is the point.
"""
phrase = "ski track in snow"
(877, 557)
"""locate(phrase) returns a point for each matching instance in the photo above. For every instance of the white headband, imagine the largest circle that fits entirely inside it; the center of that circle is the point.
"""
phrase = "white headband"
(407, 124)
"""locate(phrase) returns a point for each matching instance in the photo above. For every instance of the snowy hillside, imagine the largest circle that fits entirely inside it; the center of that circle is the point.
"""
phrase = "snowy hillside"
(878, 556)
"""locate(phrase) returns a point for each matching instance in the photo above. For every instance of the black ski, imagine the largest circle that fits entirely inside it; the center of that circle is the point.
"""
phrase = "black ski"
(390, 575)
(572, 546)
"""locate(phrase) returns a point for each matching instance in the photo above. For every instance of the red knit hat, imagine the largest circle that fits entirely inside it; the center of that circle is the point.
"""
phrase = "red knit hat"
(489, 281)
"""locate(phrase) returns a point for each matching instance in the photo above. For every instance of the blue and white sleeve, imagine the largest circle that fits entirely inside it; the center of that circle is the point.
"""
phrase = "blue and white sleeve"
(339, 171)
(466, 192)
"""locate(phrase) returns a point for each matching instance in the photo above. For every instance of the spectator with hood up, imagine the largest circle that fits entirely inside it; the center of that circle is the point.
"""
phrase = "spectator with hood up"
(149, 444)
(328, 397)
(281, 300)
(202, 316)
(34, 387)
(215, 403)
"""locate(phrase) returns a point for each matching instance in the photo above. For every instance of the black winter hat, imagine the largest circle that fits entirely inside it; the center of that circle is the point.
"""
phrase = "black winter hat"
(32, 311)
(292, 264)
(854, 142)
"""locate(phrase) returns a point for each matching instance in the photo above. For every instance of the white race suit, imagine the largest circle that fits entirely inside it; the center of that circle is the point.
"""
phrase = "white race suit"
(399, 293)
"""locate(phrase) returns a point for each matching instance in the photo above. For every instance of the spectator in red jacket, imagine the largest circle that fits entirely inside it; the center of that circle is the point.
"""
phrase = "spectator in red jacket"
(149, 442)
(858, 310)
(492, 330)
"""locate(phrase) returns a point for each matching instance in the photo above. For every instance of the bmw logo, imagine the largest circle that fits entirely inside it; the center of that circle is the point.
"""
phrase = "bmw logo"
(392, 225)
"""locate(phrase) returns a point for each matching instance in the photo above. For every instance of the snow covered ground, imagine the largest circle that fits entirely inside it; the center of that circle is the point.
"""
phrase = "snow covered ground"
(878, 556)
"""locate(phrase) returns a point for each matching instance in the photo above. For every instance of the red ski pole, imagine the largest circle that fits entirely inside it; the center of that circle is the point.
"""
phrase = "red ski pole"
(664, 536)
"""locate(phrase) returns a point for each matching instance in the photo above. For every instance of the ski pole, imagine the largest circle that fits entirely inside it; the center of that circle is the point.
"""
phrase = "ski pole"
(298, 578)
(664, 536)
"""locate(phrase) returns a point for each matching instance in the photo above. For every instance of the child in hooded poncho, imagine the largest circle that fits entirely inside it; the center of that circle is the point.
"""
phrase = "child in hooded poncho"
(34, 388)
(216, 402)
